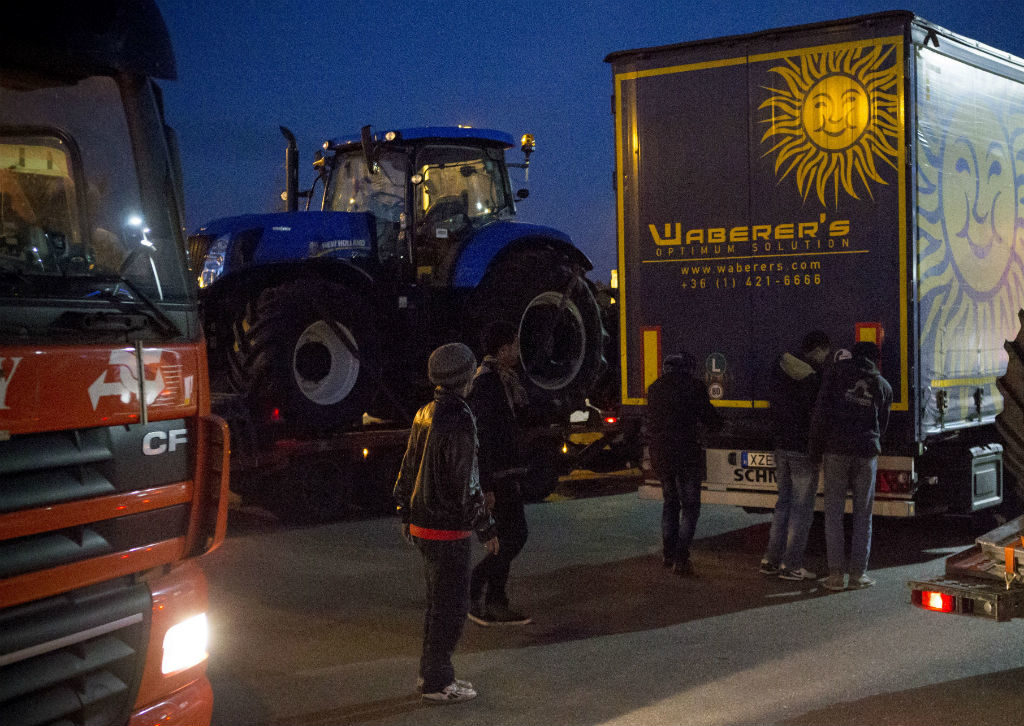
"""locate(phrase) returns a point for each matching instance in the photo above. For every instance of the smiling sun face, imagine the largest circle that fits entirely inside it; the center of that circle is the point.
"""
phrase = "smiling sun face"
(836, 118)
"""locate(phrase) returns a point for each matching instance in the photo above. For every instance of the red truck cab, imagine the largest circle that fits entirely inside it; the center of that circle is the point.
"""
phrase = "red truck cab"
(113, 472)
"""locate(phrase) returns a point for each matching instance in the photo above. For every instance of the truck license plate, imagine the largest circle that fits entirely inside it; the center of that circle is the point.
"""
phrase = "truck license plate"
(757, 460)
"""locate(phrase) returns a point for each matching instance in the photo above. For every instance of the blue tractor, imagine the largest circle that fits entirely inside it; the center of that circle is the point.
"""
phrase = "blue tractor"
(408, 240)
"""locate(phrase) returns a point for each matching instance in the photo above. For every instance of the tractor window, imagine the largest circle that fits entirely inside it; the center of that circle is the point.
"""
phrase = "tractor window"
(459, 181)
(354, 189)
(456, 189)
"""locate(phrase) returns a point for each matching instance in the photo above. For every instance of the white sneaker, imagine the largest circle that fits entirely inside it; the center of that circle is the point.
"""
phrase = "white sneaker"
(452, 693)
(801, 574)
(458, 682)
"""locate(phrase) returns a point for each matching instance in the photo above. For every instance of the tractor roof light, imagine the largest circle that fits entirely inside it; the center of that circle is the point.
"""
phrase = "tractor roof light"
(529, 144)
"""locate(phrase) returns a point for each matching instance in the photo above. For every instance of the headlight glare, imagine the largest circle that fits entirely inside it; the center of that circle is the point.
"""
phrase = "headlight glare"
(185, 644)
(213, 264)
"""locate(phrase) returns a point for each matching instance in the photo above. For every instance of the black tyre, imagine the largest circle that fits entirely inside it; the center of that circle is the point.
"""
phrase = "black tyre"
(303, 353)
(561, 338)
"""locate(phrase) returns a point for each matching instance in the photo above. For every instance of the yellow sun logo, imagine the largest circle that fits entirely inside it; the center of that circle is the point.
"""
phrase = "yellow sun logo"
(836, 118)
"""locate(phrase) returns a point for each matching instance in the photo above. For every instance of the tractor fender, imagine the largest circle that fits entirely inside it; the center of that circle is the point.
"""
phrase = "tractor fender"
(489, 244)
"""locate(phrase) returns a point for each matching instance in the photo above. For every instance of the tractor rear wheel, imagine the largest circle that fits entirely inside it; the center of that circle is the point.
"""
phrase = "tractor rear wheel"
(561, 337)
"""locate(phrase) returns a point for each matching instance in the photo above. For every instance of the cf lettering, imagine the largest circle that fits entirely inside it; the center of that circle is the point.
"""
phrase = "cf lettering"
(160, 442)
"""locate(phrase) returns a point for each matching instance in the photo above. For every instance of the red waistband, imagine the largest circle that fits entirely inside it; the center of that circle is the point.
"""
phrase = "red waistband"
(438, 534)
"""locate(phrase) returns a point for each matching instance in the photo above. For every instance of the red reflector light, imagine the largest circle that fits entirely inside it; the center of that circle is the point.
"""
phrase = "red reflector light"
(892, 481)
(937, 601)
(610, 419)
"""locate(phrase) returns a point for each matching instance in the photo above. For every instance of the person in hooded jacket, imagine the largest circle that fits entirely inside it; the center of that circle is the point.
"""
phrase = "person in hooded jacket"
(498, 400)
(441, 504)
(678, 409)
(793, 389)
(849, 420)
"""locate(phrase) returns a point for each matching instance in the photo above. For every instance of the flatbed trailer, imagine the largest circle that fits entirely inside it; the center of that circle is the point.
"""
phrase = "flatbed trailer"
(985, 580)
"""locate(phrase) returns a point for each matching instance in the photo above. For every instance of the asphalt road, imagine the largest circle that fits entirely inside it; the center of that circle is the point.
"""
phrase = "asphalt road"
(322, 625)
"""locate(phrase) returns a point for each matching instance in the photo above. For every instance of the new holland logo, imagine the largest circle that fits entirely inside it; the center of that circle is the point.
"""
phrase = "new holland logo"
(834, 120)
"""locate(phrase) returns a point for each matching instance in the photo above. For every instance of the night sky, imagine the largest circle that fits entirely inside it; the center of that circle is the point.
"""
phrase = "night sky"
(325, 68)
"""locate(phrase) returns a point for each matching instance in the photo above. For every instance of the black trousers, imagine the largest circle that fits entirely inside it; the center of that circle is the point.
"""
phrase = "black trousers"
(490, 576)
(680, 488)
(446, 567)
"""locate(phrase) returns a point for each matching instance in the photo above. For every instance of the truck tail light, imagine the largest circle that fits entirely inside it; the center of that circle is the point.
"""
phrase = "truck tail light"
(937, 601)
(893, 481)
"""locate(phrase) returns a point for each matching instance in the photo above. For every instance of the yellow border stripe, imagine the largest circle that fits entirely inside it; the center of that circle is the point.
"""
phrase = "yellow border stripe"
(952, 382)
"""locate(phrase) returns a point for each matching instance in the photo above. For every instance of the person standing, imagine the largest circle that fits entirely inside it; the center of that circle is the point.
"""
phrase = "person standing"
(849, 420)
(497, 397)
(440, 502)
(677, 408)
(793, 389)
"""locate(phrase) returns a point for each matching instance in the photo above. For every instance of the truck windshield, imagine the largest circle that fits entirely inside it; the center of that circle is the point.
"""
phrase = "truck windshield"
(85, 210)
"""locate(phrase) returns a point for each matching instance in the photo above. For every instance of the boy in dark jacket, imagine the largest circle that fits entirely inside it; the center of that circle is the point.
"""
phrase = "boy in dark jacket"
(850, 417)
(497, 398)
(441, 504)
(677, 408)
(793, 388)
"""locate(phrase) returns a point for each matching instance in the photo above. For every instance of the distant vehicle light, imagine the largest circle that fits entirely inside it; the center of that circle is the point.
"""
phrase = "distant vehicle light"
(565, 448)
(275, 415)
(366, 453)
(185, 644)
(611, 419)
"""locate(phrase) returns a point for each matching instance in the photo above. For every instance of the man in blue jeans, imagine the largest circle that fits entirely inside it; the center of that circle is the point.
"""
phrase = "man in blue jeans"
(849, 420)
(793, 388)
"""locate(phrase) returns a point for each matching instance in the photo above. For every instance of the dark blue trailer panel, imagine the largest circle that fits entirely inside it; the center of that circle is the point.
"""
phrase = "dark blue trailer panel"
(862, 177)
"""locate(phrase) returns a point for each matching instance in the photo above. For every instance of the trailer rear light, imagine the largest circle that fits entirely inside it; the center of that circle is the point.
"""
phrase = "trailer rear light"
(275, 414)
(611, 420)
(940, 602)
(893, 481)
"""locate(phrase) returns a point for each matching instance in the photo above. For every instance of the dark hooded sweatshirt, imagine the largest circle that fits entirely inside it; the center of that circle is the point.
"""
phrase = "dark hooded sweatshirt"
(793, 388)
(852, 410)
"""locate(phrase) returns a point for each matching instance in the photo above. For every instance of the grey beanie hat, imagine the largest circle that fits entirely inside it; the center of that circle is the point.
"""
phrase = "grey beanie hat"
(451, 365)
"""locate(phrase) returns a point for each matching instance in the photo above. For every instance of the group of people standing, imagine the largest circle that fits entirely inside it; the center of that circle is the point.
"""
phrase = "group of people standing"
(461, 474)
(828, 413)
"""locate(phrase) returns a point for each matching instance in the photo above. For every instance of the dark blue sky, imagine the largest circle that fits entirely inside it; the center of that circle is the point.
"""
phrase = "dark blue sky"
(325, 68)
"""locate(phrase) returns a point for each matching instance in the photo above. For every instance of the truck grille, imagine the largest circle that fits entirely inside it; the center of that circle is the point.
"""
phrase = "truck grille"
(76, 657)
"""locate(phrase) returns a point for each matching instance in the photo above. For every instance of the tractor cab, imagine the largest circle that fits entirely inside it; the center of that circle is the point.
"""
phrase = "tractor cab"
(428, 189)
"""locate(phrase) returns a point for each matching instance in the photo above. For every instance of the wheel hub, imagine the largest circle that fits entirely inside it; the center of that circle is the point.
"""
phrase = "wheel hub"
(324, 364)
(552, 340)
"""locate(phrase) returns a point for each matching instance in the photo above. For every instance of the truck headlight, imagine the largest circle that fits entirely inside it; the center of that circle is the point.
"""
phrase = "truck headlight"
(185, 644)
(213, 263)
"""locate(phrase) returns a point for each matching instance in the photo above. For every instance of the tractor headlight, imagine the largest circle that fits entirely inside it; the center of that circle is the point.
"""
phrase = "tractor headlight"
(213, 264)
